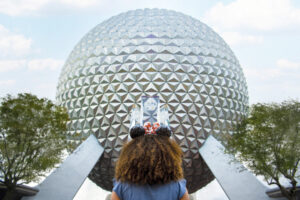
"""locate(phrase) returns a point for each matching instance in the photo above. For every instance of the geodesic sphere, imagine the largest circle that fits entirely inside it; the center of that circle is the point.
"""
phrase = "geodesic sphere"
(152, 52)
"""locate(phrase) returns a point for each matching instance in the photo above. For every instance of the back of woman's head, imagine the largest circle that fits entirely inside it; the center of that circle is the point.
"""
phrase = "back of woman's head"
(150, 159)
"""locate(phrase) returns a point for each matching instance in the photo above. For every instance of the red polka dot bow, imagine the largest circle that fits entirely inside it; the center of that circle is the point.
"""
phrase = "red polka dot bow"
(151, 129)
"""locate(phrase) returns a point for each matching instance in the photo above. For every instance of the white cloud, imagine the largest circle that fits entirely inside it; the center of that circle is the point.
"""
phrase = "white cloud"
(254, 14)
(284, 69)
(17, 7)
(79, 3)
(288, 65)
(6, 83)
(280, 82)
(42, 64)
(8, 65)
(32, 65)
(36, 7)
(107, 7)
(236, 38)
(12, 44)
(263, 74)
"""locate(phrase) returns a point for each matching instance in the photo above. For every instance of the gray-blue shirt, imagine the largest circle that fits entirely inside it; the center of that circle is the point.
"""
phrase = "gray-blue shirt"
(169, 191)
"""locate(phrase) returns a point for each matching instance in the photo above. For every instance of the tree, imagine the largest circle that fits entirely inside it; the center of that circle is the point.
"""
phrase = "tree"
(268, 141)
(32, 139)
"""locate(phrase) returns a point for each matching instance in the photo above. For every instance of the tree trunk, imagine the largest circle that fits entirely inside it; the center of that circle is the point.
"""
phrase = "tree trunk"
(10, 194)
(285, 193)
(291, 197)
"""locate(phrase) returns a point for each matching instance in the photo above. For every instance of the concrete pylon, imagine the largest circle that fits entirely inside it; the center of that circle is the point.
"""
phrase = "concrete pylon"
(65, 181)
(236, 181)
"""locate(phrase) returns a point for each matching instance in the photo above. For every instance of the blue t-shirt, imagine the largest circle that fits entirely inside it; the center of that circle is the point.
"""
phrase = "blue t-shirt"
(169, 191)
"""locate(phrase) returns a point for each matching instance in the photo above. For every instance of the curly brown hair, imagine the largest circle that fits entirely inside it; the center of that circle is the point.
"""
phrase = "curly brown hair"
(150, 159)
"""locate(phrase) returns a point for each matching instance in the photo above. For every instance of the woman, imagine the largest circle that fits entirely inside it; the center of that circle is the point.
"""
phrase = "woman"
(149, 168)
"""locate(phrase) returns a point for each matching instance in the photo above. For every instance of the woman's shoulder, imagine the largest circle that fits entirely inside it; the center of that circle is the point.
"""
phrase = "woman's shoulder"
(171, 190)
(180, 183)
(181, 186)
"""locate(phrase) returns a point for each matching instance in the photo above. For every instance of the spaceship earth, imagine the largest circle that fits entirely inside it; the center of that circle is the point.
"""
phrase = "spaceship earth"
(153, 52)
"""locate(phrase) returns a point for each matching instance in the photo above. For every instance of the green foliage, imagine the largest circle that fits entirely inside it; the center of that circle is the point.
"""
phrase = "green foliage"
(268, 141)
(32, 138)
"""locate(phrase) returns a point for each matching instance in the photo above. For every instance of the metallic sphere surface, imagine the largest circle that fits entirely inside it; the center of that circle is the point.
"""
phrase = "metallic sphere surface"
(152, 52)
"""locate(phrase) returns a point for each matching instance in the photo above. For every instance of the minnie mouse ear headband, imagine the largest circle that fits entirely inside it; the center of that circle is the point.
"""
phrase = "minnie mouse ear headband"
(150, 112)
(137, 131)
(162, 130)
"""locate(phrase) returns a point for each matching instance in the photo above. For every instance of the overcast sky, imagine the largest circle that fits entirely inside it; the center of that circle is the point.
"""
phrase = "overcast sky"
(36, 36)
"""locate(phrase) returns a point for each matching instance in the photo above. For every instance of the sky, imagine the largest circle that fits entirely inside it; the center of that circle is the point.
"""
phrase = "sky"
(36, 37)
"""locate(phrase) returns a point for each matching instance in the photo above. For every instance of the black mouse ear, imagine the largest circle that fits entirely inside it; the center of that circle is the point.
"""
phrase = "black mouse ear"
(137, 131)
(164, 131)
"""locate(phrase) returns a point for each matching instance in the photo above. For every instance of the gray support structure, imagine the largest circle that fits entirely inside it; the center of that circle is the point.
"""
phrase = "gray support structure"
(237, 182)
(66, 180)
